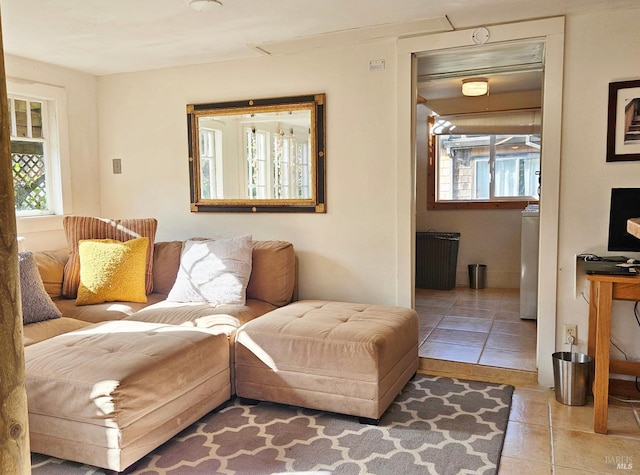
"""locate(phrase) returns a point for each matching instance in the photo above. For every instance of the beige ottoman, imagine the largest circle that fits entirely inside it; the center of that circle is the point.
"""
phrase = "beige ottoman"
(108, 394)
(333, 356)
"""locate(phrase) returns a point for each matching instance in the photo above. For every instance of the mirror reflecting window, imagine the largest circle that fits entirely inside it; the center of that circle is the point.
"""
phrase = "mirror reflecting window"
(258, 155)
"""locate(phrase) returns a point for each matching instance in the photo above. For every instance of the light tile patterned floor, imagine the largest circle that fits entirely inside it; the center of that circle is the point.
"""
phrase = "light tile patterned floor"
(547, 437)
(476, 326)
(476, 333)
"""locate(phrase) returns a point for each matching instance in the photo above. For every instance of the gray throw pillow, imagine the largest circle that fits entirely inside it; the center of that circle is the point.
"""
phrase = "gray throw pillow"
(36, 303)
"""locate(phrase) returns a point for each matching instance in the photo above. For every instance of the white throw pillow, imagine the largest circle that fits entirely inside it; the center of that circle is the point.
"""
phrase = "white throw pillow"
(214, 271)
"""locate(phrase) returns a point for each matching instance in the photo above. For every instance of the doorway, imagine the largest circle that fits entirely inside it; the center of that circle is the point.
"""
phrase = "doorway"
(477, 169)
(551, 32)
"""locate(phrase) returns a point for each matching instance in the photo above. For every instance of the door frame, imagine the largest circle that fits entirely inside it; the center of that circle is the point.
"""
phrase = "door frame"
(551, 31)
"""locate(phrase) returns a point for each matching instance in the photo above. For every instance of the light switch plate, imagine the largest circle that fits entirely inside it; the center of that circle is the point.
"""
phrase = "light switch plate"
(117, 166)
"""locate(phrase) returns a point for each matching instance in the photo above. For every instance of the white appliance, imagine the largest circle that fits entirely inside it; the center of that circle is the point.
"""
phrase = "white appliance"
(529, 263)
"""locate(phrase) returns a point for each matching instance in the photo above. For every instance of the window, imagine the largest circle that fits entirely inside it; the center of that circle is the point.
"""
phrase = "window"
(277, 164)
(29, 155)
(209, 161)
(38, 149)
(482, 170)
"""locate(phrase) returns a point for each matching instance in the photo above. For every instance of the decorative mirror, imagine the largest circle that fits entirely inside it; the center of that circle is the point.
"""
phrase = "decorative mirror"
(258, 155)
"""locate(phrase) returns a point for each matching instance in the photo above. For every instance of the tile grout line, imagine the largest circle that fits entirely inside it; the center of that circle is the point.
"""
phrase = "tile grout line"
(551, 445)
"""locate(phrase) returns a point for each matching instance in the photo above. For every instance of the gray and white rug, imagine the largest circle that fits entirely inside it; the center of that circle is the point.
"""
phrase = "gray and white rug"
(436, 426)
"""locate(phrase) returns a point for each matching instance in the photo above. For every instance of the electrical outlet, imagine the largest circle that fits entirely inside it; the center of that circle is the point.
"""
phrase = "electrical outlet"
(570, 331)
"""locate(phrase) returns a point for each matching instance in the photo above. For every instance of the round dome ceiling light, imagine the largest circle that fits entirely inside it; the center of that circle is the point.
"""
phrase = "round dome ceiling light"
(203, 5)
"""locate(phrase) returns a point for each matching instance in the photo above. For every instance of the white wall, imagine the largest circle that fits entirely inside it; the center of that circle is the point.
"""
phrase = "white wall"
(350, 252)
(81, 89)
(600, 48)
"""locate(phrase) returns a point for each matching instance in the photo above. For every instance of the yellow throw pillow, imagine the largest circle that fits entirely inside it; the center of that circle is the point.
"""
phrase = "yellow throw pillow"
(112, 271)
(79, 228)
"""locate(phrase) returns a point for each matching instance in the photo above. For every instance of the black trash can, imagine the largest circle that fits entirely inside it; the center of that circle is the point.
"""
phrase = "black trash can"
(436, 260)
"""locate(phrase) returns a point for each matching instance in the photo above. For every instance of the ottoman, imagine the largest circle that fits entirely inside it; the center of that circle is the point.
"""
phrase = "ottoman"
(333, 356)
(108, 394)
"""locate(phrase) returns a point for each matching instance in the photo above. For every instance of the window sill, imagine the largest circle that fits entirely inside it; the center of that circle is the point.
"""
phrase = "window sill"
(482, 205)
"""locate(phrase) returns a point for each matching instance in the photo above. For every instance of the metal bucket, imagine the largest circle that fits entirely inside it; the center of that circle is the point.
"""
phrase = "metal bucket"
(571, 377)
(477, 276)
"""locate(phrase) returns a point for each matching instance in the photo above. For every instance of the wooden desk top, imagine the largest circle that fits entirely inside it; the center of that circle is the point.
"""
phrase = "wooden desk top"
(614, 278)
(623, 287)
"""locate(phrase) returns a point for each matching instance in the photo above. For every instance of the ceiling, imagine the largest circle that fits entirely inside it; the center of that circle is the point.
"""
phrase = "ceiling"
(513, 71)
(103, 37)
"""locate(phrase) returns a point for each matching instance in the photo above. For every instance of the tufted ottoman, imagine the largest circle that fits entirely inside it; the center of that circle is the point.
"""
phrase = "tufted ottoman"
(108, 394)
(334, 356)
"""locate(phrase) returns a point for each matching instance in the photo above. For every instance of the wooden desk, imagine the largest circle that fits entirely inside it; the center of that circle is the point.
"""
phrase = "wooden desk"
(605, 289)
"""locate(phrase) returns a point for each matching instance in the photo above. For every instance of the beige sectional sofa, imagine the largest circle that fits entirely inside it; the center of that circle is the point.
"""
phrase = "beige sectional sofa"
(71, 357)
(109, 382)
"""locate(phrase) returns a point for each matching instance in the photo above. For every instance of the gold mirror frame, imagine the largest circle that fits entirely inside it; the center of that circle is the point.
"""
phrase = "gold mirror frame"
(256, 110)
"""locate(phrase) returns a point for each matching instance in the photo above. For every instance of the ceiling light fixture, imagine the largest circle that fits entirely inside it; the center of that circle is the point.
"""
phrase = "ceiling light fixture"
(203, 5)
(475, 87)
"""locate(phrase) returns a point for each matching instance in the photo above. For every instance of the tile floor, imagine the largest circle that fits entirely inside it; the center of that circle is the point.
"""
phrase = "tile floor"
(478, 334)
(476, 326)
(547, 437)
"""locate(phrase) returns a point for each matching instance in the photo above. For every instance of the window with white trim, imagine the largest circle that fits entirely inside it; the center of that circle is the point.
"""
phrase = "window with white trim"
(38, 149)
(210, 156)
(473, 165)
(277, 164)
(488, 167)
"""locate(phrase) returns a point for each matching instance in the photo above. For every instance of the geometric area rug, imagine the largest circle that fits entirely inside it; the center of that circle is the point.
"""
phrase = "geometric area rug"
(436, 425)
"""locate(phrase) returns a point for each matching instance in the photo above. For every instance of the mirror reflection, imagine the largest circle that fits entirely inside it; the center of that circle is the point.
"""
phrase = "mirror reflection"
(258, 155)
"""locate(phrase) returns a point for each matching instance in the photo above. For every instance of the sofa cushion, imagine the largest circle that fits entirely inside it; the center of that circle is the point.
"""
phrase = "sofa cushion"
(149, 363)
(102, 312)
(112, 270)
(214, 271)
(40, 331)
(215, 318)
(158, 379)
(166, 261)
(51, 269)
(273, 272)
(36, 303)
(78, 228)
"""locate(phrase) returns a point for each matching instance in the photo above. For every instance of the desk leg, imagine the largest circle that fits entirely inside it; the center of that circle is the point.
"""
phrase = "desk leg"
(593, 321)
(602, 344)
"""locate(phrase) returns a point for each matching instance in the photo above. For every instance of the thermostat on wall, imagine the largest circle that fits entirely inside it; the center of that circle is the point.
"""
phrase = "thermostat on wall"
(376, 65)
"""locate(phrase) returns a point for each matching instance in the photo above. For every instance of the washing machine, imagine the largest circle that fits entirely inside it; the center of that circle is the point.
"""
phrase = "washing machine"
(529, 262)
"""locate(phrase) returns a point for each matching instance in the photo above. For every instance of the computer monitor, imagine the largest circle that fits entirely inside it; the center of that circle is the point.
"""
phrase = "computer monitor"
(625, 204)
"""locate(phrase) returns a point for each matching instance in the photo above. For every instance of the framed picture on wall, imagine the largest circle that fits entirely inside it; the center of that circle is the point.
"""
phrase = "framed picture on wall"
(623, 129)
